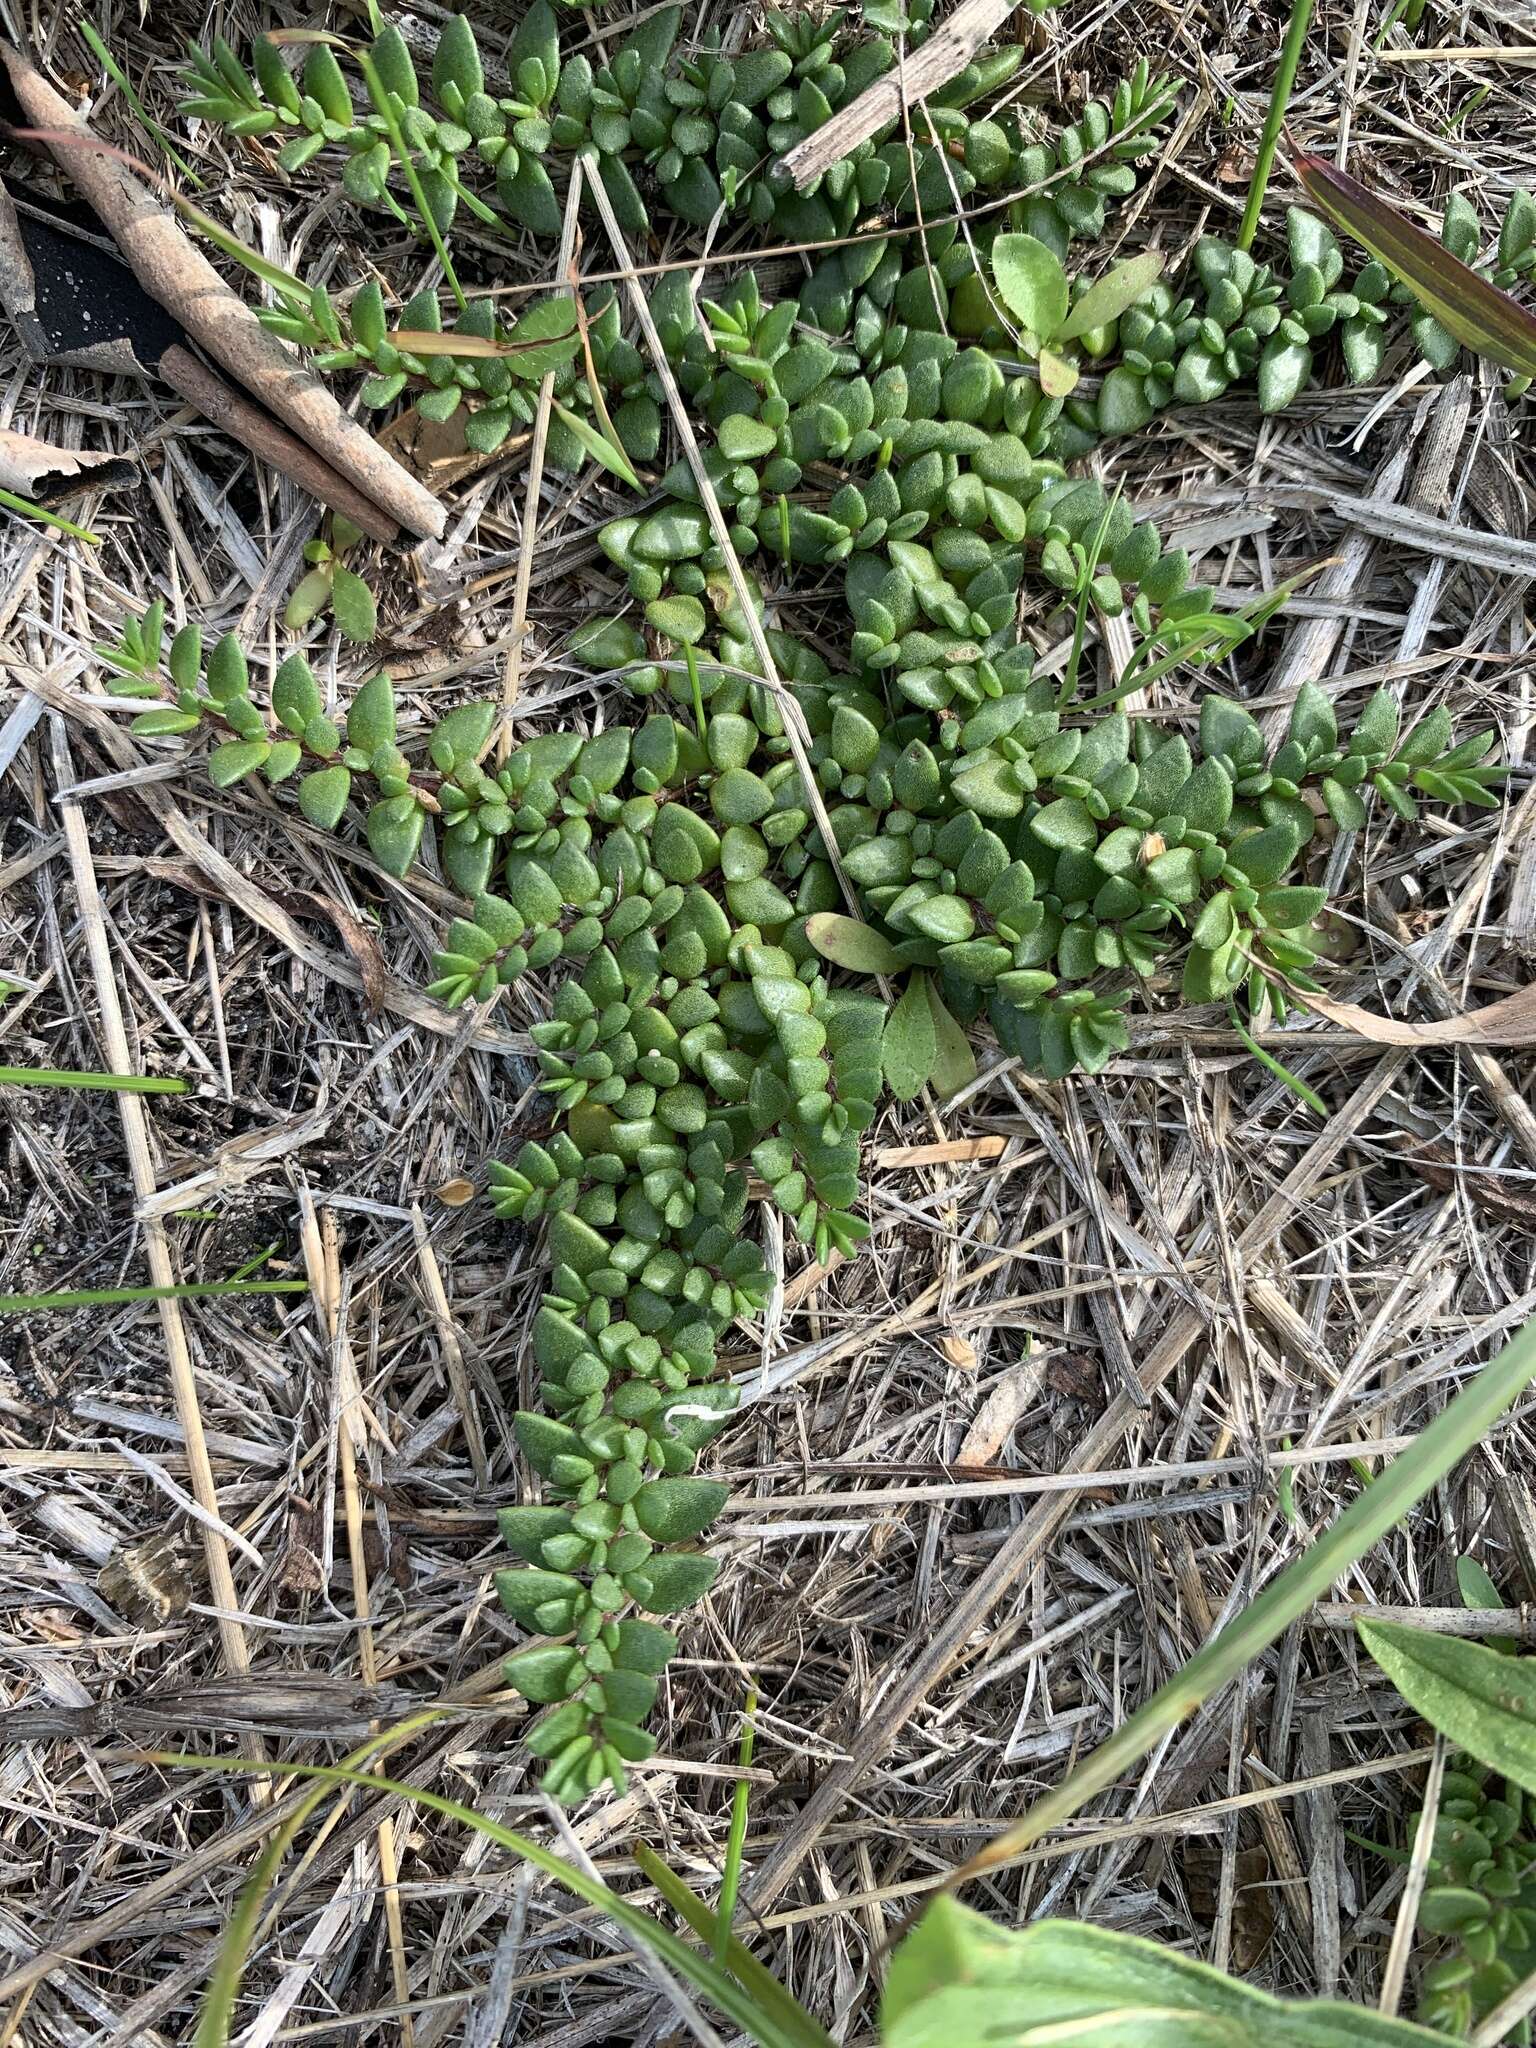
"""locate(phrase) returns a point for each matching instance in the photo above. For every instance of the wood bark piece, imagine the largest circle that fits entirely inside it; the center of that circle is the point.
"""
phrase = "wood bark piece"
(948, 50)
(38, 470)
(176, 273)
(246, 423)
(1510, 1021)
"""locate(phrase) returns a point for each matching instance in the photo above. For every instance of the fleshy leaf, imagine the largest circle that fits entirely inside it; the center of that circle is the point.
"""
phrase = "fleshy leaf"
(850, 943)
(1032, 283)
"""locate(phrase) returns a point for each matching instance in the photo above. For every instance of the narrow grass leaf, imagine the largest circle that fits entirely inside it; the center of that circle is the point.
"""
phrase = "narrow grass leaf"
(602, 451)
(1459, 1427)
(64, 1077)
(695, 1969)
(739, 1959)
(1481, 316)
(103, 1297)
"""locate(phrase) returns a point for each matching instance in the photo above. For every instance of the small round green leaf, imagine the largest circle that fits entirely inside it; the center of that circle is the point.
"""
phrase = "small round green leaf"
(850, 943)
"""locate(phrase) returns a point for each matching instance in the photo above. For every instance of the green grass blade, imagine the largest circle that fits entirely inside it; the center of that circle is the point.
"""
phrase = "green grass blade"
(64, 1077)
(1281, 1072)
(28, 510)
(608, 454)
(695, 1969)
(1274, 120)
(1462, 1424)
(103, 1297)
(119, 77)
(216, 2020)
(739, 1959)
(730, 1882)
(397, 142)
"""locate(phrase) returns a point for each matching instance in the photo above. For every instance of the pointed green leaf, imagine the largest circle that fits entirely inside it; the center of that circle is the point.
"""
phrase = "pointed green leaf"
(954, 1065)
(599, 447)
(909, 1048)
(673, 1580)
(323, 796)
(544, 1676)
(371, 715)
(1477, 1698)
(236, 758)
(672, 1510)
(1112, 294)
(352, 601)
(1032, 283)
(850, 943)
(394, 832)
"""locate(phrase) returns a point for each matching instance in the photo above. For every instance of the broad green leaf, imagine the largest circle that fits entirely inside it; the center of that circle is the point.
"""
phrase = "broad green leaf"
(744, 439)
(236, 758)
(672, 1510)
(366, 314)
(394, 832)
(850, 943)
(295, 696)
(1481, 316)
(352, 602)
(228, 676)
(392, 60)
(544, 337)
(461, 735)
(909, 1048)
(323, 796)
(598, 446)
(1478, 1698)
(371, 715)
(672, 1580)
(1112, 294)
(954, 1066)
(151, 725)
(677, 618)
(457, 59)
(957, 1978)
(1462, 1423)
(544, 1676)
(1032, 283)
(186, 657)
(1058, 375)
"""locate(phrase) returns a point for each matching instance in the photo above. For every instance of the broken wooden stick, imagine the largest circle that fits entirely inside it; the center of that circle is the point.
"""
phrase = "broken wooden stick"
(174, 272)
(947, 51)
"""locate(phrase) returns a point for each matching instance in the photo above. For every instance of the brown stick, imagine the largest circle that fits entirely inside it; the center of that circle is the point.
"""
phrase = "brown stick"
(235, 415)
(948, 50)
(173, 270)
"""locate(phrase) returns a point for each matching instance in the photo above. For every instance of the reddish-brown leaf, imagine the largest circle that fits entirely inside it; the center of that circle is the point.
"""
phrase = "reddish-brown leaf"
(1481, 316)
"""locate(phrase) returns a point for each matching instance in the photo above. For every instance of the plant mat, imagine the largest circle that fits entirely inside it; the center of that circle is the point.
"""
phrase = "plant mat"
(1114, 1348)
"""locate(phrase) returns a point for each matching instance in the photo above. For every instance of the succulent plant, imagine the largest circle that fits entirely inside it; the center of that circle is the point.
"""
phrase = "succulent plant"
(902, 430)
